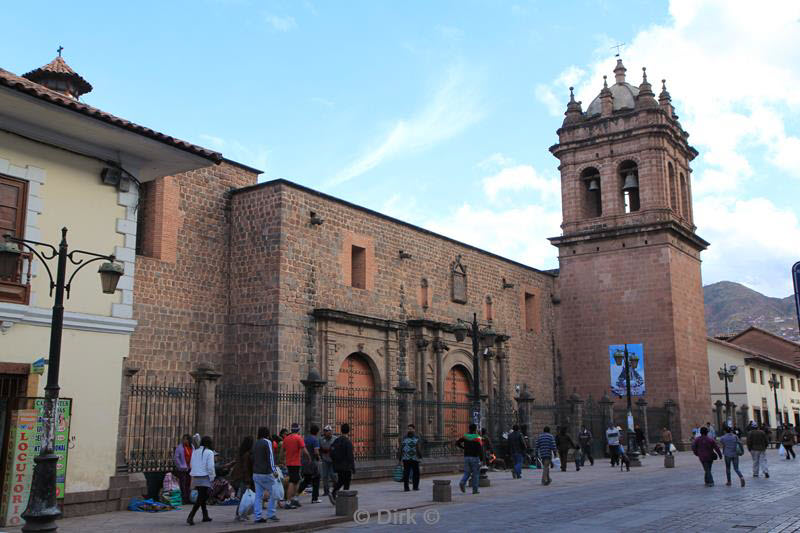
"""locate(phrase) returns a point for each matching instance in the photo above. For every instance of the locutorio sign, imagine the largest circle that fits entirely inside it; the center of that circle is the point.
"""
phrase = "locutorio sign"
(24, 443)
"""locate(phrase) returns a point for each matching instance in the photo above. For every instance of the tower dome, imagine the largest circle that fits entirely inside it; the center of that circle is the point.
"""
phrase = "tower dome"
(59, 77)
(623, 93)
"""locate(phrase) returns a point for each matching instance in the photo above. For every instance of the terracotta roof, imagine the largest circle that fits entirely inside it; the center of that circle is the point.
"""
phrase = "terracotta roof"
(59, 68)
(757, 355)
(765, 332)
(17, 83)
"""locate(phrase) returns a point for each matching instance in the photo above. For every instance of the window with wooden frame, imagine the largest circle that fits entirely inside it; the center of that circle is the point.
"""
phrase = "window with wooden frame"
(13, 200)
(752, 375)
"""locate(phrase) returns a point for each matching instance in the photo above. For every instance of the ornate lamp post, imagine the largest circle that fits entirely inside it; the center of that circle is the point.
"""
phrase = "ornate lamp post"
(726, 374)
(488, 336)
(42, 510)
(629, 360)
(774, 383)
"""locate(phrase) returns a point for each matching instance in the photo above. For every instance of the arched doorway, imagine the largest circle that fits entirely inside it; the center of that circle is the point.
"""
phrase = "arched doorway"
(457, 387)
(355, 403)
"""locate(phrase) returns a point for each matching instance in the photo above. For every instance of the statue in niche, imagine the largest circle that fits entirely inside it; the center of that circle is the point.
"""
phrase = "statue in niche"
(458, 274)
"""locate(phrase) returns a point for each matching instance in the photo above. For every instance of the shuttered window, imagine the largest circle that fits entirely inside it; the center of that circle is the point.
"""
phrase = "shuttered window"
(12, 206)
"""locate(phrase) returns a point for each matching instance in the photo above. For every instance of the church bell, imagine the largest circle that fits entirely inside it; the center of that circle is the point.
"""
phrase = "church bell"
(631, 182)
(594, 185)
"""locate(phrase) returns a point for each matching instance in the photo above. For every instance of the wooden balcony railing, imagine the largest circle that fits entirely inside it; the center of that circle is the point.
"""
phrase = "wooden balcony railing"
(17, 288)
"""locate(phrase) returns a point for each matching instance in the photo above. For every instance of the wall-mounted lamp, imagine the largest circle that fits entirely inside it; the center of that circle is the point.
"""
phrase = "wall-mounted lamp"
(116, 177)
(507, 285)
(405, 255)
(316, 220)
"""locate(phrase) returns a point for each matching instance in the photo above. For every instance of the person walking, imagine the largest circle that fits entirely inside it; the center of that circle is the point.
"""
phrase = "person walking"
(612, 438)
(788, 440)
(712, 433)
(203, 473)
(241, 476)
(564, 443)
(344, 462)
(328, 474)
(182, 459)
(545, 446)
(641, 441)
(294, 446)
(266, 477)
(666, 438)
(731, 446)
(410, 453)
(516, 446)
(311, 464)
(473, 454)
(706, 449)
(757, 444)
(585, 442)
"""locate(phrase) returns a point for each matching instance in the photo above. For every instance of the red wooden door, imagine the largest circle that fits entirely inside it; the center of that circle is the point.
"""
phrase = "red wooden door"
(355, 404)
(456, 394)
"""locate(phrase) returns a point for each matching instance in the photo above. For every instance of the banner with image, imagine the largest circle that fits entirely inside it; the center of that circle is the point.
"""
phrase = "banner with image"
(618, 385)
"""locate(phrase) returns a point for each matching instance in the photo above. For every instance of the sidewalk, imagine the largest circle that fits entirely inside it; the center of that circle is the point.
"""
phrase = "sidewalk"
(375, 496)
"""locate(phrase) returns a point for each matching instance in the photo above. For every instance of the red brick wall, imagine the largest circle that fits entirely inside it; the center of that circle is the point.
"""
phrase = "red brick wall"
(181, 294)
(313, 273)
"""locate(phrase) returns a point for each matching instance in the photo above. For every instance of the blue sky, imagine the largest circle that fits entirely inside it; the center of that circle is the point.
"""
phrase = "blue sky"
(441, 113)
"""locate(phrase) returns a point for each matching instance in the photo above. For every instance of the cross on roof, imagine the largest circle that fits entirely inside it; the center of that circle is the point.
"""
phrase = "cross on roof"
(617, 46)
(60, 48)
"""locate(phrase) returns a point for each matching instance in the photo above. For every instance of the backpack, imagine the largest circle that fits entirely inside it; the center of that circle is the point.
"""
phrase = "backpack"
(339, 451)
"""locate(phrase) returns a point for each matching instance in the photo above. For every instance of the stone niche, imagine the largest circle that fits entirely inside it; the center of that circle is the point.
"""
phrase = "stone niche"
(458, 275)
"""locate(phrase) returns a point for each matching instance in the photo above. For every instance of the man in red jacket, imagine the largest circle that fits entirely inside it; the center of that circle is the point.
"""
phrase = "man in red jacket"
(706, 449)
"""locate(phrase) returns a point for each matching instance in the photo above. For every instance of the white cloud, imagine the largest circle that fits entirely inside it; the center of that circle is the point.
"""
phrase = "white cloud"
(732, 71)
(495, 161)
(256, 157)
(281, 24)
(455, 106)
(519, 178)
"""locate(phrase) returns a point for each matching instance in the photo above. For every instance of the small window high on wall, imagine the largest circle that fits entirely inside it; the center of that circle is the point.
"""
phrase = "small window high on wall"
(592, 197)
(358, 262)
(629, 176)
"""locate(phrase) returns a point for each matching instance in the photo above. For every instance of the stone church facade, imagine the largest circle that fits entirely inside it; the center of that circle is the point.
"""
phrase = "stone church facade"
(270, 285)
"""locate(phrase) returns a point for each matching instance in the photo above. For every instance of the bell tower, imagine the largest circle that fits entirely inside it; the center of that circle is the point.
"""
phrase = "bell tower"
(629, 257)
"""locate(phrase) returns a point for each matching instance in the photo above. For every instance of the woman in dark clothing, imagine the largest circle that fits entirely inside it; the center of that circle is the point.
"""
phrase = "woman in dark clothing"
(706, 449)
(241, 476)
(564, 443)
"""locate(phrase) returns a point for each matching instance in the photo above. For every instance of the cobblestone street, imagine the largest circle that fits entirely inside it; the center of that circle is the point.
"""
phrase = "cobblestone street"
(646, 499)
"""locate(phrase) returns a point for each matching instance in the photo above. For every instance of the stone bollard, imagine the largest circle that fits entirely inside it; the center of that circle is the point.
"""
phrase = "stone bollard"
(483, 479)
(669, 461)
(442, 491)
(346, 503)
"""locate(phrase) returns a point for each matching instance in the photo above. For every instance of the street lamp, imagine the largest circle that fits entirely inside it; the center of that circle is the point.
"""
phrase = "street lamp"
(42, 510)
(726, 374)
(774, 383)
(488, 336)
(630, 361)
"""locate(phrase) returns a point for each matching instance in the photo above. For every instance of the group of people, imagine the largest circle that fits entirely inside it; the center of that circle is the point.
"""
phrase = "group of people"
(277, 468)
(707, 447)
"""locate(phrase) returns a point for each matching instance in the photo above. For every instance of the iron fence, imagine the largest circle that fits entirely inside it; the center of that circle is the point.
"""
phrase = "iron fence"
(371, 415)
(242, 409)
(160, 410)
(455, 419)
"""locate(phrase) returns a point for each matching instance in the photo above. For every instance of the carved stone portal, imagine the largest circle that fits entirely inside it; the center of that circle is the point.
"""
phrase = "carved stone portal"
(459, 281)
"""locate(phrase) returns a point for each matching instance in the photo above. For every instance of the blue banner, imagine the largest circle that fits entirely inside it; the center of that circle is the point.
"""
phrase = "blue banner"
(796, 280)
(618, 385)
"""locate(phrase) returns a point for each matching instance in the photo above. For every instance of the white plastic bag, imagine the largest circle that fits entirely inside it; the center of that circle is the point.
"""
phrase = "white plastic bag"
(782, 451)
(246, 504)
(672, 448)
(277, 486)
(556, 462)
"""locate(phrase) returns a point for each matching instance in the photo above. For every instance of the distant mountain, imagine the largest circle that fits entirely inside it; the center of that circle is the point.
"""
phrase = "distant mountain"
(732, 307)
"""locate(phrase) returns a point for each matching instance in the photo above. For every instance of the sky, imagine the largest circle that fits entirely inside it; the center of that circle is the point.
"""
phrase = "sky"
(441, 113)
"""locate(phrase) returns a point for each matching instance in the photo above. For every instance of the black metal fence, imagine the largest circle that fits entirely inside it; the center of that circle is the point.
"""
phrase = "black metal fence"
(160, 410)
(242, 409)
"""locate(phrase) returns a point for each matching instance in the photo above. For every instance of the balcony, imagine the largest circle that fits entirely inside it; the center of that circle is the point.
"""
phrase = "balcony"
(17, 288)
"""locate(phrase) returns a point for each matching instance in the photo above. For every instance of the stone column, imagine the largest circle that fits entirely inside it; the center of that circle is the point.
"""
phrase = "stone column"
(206, 378)
(501, 387)
(439, 347)
(669, 406)
(313, 408)
(524, 401)
(422, 380)
(744, 416)
(405, 392)
(576, 414)
(122, 430)
(491, 400)
(641, 403)
(607, 408)
(719, 406)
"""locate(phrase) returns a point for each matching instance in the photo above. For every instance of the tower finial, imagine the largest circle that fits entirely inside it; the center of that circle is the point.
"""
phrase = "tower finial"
(60, 48)
(605, 81)
(644, 74)
(571, 94)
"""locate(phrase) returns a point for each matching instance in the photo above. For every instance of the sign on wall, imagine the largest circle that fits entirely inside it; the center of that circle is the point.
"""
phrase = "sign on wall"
(618, 385)
(25, 438)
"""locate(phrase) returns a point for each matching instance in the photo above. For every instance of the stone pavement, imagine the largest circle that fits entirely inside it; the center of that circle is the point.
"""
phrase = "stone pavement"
(596, 499)
(602, 499)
